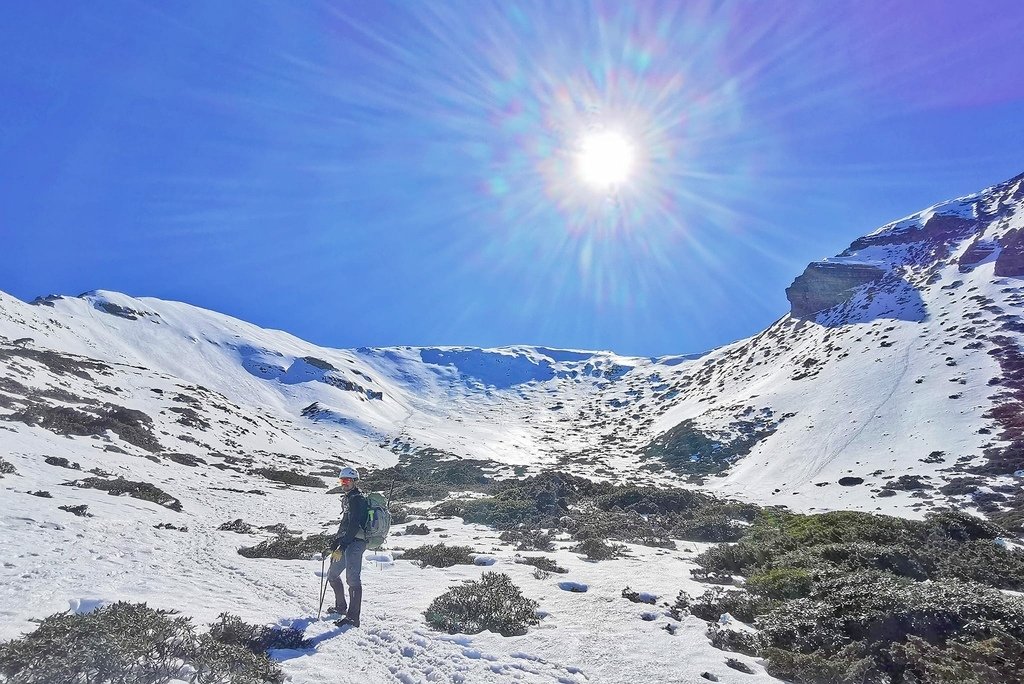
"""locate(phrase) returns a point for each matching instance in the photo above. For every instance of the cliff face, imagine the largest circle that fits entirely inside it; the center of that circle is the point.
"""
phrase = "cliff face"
(966, 232)
(824, 284)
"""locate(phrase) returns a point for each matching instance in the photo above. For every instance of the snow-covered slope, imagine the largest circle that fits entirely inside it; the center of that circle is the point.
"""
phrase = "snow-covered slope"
(888, 365)
(895, 383)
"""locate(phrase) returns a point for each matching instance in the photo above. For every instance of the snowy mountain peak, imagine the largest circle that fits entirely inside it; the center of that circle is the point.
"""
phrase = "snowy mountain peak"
(902, 259)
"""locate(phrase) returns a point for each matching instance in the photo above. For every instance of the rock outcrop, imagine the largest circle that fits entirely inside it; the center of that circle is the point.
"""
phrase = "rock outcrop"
(824, 284)
(1010, 261)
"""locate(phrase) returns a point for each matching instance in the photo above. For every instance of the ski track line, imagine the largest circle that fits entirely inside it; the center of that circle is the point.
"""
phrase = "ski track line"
(814, 467)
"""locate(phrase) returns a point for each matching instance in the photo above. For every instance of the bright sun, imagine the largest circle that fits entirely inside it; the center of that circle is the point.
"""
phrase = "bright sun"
(605, 159)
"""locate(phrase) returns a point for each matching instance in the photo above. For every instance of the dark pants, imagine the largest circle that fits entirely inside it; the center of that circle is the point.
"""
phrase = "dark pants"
(350, 563)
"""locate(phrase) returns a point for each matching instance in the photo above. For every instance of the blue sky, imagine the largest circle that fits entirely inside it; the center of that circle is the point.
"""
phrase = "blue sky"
(365, 173)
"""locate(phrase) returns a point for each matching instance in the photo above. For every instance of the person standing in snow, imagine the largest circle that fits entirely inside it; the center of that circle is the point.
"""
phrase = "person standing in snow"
(347, 550)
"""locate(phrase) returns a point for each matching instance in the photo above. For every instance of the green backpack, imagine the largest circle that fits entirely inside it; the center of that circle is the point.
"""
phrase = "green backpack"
(378, 520)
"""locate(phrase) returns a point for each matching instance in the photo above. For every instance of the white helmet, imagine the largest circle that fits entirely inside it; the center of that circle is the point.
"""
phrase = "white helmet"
(350, 472)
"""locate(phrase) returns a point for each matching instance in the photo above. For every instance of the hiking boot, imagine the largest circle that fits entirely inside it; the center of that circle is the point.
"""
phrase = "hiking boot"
(346, 622)
(336, 611)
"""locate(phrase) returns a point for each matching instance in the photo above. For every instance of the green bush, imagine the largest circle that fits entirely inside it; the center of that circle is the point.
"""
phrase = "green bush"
(740, 604)
(440, 556)
(127, 643)
(419, 529)
(288, 547)
(493, 604)
(781, 583)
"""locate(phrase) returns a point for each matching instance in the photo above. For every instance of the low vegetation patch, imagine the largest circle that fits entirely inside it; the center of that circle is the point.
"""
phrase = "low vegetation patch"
(290, 477)
(137, 490)
(429, 474)
(848, 597)
(134, 427)
(238, 526)
(289, 547)
(597, 550)
(6, 468)
(493, 604)
(82, 510)
(130, 643)
(542, 563)
(440, 555)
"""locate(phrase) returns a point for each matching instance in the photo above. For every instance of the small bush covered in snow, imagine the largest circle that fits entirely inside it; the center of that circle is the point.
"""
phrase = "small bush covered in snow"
(493, 604)
(440, 556)
(130, 643)
(6, 468)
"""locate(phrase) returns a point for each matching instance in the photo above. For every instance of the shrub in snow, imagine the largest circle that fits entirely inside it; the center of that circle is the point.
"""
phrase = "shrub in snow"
(493, 604)
(597, 550)
(681, 606)
(61, 462)
(399, 514)
(238, 525)
(901, 630)
(134, 427)
(417, 529)
(440, 556)
(529, 540)
(230, 629)
(541, 563)
(427, 474)
(738, 641)
(290, 477)
(127, 643)
(6, 468)
(739, 666)
(500, 512)
(740, 604)
(946, 544)
(635, 597)
(288, 547)
(781, 583)
(137, 490)
(81, 510)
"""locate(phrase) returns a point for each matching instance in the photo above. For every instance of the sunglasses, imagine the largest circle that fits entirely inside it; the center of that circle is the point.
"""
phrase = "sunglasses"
(345, 480)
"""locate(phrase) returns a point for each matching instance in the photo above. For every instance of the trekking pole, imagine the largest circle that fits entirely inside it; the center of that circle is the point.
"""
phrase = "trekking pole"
(323, 585)
(392, 490)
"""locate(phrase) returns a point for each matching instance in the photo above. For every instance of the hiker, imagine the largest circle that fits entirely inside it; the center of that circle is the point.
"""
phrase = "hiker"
(347, 550)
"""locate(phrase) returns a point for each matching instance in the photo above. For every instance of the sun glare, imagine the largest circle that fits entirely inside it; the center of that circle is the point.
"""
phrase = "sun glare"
(605, 159)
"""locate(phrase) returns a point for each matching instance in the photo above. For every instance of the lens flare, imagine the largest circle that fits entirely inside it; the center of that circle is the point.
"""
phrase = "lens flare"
(605, 159)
